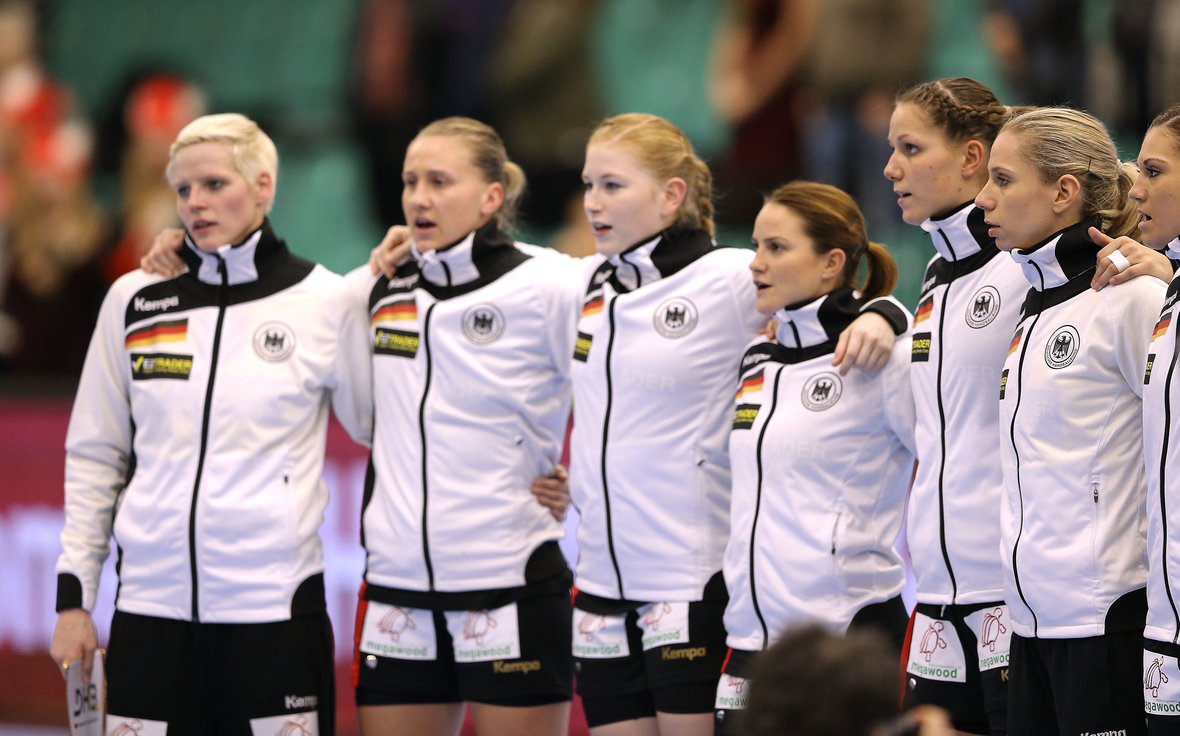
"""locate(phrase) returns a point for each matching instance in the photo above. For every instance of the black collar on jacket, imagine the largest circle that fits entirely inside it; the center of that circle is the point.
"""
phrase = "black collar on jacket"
(652, 259)
(474, 261)
(1059, 267)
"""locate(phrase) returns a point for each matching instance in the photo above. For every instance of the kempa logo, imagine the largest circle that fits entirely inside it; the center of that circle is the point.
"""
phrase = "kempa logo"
(1062, 347)
(274, 342)
(155, 305)
(983, 308)
(689, 653)
(403, 283)
(822, 391)
(483, 324)
(675, 318)
(500, 666)
(1120, 732)
(300, 701)
(928, 283)
(1154, 677)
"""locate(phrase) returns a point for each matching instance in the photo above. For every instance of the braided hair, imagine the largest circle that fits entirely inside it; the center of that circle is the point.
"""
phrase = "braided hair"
(962, 108)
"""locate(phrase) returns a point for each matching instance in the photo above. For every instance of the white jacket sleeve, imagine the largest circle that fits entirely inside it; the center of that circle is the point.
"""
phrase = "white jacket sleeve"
(898, 397)
(98, 455)
(564, 297)
(351, 382)
(1134, 308)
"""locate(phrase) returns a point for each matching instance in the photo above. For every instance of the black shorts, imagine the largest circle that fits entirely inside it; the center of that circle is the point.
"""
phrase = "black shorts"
(956, 657)
(196, 678)
(516, 655)
(662, 657)
(1077, 686)
(1161, 687)
(887, 618)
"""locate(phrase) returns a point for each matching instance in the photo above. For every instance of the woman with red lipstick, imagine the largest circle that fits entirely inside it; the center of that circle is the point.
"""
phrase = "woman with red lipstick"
(821, 463)
(1073, 527)
(941, 133)
(666, 315)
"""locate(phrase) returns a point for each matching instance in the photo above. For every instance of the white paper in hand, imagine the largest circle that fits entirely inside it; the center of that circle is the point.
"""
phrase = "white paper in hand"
(86, 703)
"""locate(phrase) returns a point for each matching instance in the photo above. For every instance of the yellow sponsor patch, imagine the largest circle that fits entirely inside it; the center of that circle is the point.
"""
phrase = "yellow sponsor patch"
(145, 366)
(395, 342)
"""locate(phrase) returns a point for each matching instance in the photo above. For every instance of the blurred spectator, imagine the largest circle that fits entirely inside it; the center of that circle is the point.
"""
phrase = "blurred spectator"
(52, 227)
(418, 60)
(755, 86)
(153, 114)
(816, 683)
(862, 53)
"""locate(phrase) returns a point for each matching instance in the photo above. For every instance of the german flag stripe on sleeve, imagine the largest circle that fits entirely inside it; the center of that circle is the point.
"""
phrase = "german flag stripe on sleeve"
(594, 306)
(924, 309)
(401, 310)
(753, 384)
(1161, 327)
(1015, 341)
(157, 332)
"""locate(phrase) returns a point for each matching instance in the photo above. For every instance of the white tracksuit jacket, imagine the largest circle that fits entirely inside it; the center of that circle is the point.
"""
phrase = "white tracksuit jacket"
(1073, 519)
(821, 465)
(197, 436)
(471, 363)
(1161, 450)
(967, 311)
(661, 331)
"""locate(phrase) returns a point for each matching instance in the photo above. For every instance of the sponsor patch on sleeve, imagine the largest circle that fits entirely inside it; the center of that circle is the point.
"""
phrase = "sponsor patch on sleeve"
(921, 349)
(582, 346)
(1147, 373)
(744, 415)
(395, 342)
(145, 366)
(175, 330)
(1003, 383)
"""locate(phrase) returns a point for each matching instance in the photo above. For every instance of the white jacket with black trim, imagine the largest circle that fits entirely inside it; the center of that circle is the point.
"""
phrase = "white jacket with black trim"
(1161, 450)
(197, 435)
(1073, 519)
(969, 304)
(471, 364)
(821, 465)
(661, 329)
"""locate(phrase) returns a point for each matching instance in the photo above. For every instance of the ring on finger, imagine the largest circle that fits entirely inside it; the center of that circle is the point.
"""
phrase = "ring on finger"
(1119, 261)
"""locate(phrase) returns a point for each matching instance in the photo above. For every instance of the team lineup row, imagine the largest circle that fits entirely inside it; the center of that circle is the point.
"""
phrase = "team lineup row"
(717, 507)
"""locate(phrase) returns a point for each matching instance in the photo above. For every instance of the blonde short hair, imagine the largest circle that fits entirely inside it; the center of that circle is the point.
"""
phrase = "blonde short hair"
(252, 151)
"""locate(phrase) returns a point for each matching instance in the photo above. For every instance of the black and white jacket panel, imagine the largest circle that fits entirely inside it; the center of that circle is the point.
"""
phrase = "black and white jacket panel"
(471, 358)
(821, 465)
(968, 308)
(197, 435)
(1073, 521)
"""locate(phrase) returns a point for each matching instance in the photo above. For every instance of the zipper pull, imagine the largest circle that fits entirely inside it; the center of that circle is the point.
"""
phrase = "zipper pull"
(1095, 491)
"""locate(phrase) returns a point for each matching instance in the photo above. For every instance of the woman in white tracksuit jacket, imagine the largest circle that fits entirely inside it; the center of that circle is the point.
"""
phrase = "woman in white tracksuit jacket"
(1073, 520)
(666, 313)
(821, 463)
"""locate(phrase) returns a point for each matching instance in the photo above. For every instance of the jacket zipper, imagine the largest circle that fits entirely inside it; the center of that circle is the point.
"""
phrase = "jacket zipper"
(422, 434)
(610, 539)
(946, 555)
(1163, 485)
(1012, 435)
(222, 299)
(758, 508)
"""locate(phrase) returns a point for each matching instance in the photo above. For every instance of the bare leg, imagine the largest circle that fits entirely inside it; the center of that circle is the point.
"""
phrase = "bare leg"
(536, 720)
(685, 724)
(431, 719)
(634, 727)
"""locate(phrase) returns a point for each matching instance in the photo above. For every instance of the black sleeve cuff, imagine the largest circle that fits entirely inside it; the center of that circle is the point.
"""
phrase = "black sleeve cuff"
(892, 314)
(69, 592)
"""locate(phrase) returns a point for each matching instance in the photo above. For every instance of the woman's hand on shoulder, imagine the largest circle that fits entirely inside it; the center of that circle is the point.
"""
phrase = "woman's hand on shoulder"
(1135, 258)
(164, 256)
(553, 492)
(867, 344)
(392, 252)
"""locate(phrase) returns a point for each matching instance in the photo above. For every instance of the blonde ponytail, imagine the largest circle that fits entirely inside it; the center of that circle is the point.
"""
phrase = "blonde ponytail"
(489, 156)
